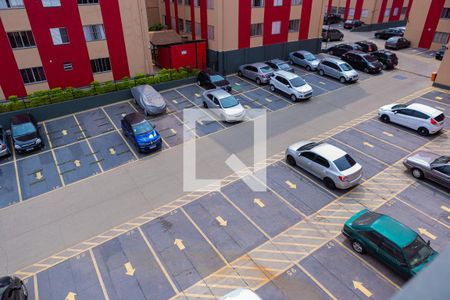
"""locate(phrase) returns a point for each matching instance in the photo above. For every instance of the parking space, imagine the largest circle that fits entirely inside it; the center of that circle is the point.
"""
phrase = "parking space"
(94, 122)
(438, 96)
(116, 112)
(267, 99)
(9, 191)
(63, 131)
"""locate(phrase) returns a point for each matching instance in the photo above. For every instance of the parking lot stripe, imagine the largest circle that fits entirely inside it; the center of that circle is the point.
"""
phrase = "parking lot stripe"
(424, 213)
(19, 189)
(317, 282)
(381, 140)
(99, 276)
(54, 156)
(359, 151)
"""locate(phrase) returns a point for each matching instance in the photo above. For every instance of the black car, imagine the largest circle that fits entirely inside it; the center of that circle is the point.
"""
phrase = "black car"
(279, 65)
(387, 58)
(213, 80)
(331, 34)
(12, 288)
(396, 43)
(440, 53)
(4, 144)
(367, 46)
(350, 24)
(332, 19)
(340, 49)
(25, 133)
(363, 61)
(388, 33)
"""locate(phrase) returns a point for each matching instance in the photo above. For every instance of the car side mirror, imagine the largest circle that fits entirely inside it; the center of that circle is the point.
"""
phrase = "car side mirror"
(288, 85)
(428, 243)
(395, 112)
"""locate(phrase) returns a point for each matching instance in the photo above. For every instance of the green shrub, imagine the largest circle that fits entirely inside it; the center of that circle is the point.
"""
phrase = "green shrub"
(157, 27)
(13, 98)
(139, 76)
(108, 87)
(141, 81)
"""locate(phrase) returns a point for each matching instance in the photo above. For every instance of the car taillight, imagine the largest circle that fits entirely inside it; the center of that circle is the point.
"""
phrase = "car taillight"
(342, 178)
(433, 122)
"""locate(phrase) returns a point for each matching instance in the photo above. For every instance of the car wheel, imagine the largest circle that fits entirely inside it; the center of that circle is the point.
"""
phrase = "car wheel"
(377, 36)
(308, 68)
(205, 105)
(290, 160)
(358, 247)
(385, 119)
(258, 81)
(341, 38)
(329, 183)
(321, 73)
(290, 62)
(366, 70)
(239, 73)
(293, 98)
(416, 173)
(272, 88)
(331, 52)
(423, 131)
(342, 80)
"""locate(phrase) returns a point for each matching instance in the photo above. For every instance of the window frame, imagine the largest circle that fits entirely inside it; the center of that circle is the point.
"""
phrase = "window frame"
(7, 5)
(99, 63)
(60, 30)
(35, 72)
(20, 34)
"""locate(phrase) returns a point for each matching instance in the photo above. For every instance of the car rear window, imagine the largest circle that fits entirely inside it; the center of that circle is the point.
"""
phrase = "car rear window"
(367, 219)
(440, 118)
(345, 162)
(370, 58)
(266, 69)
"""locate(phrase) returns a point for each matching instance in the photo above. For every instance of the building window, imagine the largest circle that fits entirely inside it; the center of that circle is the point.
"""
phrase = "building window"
(59, 36)
(180, 25)
(197, 3)
(276, 27)
(94, 32)
(364, 13)
(68, 67)
(441, 37)
(210, 4)
(188, 26)
(198, 29)
(277, 2)
(296, 2)
(341, 11)
(21, 39)
(294, 25)
(256, 29)
(258, 3)
(187, 2)
(87, 1)
(404, 9)
(33, 75)
(387, 12)
(446, 13)
(173, 22)
(395, 12)
(180, 1)
(51, 3)
(351, 12)
(210, 32)
(11, 4)
(100, 65)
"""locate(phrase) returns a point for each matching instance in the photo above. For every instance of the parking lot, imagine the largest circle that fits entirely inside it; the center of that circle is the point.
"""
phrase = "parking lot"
(281, 243)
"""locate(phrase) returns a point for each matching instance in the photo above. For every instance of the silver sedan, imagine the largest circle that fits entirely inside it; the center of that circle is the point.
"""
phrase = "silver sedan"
(330, 164)
(429, 165)
(223, 104)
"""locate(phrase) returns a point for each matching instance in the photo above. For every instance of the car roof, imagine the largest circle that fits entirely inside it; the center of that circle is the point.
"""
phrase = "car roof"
(393, 230)
(303, 52)
(22, 118)
(258, 65)
(424, 109)
(219, 93)
(365, 42)
(134, 118)
(210, 72)
(286, 74)
(328, 151)
(357, 52)
(277, 61)
(394, 38)
(332, 59)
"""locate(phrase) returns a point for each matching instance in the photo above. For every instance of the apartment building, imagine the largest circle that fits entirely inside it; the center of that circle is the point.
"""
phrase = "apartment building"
(431, 25)
(46, 44)
(241, 31)
(371, 11)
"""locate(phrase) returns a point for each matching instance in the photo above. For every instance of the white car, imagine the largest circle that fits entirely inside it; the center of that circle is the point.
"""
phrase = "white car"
(223, 104)
(290, 84)
(241, 294)
(422, 118)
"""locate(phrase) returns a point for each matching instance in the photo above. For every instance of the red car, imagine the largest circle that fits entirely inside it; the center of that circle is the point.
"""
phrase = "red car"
(350, 24)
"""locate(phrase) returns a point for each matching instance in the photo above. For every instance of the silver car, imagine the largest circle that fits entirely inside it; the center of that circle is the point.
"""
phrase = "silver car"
(304, 59)
(258, 72)
(338, 69)
(330, 164)
(429, 165)
(223, 104)
(4, 143)
(149, 99)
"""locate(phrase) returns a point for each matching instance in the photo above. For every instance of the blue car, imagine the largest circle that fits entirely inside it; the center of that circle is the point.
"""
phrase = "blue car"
(142, 132)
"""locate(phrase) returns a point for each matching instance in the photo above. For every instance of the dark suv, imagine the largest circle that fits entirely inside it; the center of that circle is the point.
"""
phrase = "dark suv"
(12, 288)
(25, 133)
(367, 46)
(388, 33)
(363, 61)
(330, 34)
(350, 24)
(213, 80)
(340, 49)
(332, 19)
(387, 58)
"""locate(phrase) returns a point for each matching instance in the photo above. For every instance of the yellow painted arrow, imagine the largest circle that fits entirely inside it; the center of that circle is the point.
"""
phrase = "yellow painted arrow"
(179, 244)
(200, 122)
(259, 202)
(130, 270)
(426, 233)
(268, 100)
(112, 151)
(123, 115)
(221, 221)
(359, 286)
(445, 208)
(39, 175)
(438, 98)
(197, 95)
(175, 101)
(237, 83)
(321, 82)
(291, 185)
(77, 163)
(368, 144)
(71, 296)
(388, 133)
(173, 131)
(64, 132)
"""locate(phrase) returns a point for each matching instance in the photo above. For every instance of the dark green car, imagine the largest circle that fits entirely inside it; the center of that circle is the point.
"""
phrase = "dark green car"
(393, 243)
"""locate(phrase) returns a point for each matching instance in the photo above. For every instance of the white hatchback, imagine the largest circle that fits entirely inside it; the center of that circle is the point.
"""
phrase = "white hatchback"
(422, 118)
(291, 84)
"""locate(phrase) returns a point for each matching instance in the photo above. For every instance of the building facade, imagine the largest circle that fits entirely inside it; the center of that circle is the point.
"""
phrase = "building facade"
(431, 25)
(47, 44)
(241, 31)
(371, 11)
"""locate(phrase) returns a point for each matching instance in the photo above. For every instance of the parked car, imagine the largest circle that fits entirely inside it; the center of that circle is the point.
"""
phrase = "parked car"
(389, 241)
(291, 84)
(435, 167)
(387, 58)
(350, 24)
(401, 28)
(363, 61)
(258, 72)
(25, 133)
(422, 118)
(440, 53)
(278, 65)
(213, 80)
(367, 46)
(149, 99)
(338, 69)
(388, 33)
(142, 132)
(224, 104)
(340, 49)
(304, 59)
(12, 288)
(4, 144)
(241, 294)
(397, 43)
(332, 19)
(331, 34)
(333, 166)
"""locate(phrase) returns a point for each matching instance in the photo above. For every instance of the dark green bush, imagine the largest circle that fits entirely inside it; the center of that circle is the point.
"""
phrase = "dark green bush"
(157, 27)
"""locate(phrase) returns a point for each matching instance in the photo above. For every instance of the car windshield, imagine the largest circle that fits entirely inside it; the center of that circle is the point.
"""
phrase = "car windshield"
(216, 78)
(370, 58)
(228, 102)
(142, 127)
(417, 252)
(367, 219)
(398, 106)
(441, 160)
(266, 70)
(284, 66)
(392, 39)
(297, 82)
(345, 162)
(310, 57)
(345, 67)
(23, 129)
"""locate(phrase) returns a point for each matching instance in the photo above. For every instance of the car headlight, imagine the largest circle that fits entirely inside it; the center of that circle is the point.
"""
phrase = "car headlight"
(17, 146)
(38, 141)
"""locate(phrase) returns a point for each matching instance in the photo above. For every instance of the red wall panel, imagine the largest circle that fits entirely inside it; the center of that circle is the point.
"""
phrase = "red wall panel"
(193, 20)
(168, 14)
(382, 11)
(53, 57)
(112, 22)
(346, 9)
(10, 78)
(201, 55)
(204, 19)
(175, 8)
(183, 55)
(358, 9)
(431, 23)
(305, 19)
(245, 15)
(273, 14)
(408, 9)
(164, 57)
(396, 5)
(330, 4)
